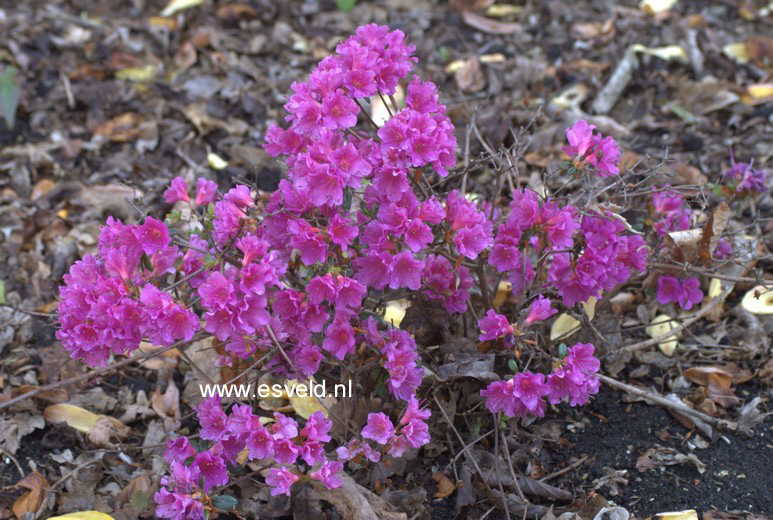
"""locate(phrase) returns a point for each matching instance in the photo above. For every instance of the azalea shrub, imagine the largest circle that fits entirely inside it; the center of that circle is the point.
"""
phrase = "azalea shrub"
(293, 281)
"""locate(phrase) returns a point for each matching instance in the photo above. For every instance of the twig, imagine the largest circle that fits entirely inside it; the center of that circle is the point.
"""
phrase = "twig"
(506, 449)
(15, 462)
(722, 424)
(94, 373)
(496, 465)
(689, 321)
(567, 469)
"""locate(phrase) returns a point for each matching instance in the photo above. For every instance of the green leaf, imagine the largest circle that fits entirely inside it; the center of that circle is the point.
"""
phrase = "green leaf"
(225, 502)
(346, 5)
(512, 365)
(562, 350)
(9, 95)
(139, 499)
(2, 291)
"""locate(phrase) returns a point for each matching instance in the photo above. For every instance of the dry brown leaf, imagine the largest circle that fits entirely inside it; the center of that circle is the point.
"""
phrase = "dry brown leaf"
(167, 405)
(235, 12)
(445, 487)
(30, 502)
(126, 127)
(488, 25)
(140, 484)
(470, 77)
(759, 49)
(712, 232)
(717, 381)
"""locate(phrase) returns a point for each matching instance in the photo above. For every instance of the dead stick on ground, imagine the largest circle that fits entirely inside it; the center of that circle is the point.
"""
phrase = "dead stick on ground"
(689, 321)
(721, 424)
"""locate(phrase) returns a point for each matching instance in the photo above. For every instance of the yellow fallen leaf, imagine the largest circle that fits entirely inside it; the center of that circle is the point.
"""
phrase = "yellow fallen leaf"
(660, 325)
(689, 514)
(455, 65)
(503, 10)
(564, 326)
(216, 162)
(306, 404)
(138, 74)
(79, 418)
(590, 307)
(178, 5)
(571, 97)
(504, 289)
(758, 300)
(736, 51)
(758, 93)
(715, 288)
(656, 6)
(83, 515)
(492, 58)
(667, 53)
(395, 311)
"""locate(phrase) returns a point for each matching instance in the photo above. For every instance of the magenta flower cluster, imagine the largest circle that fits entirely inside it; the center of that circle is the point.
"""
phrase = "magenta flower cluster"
(745, 179)
(109, 302)
(589, 149)
(670, 210)
(687, 293)
(524, 395)
(289, 281)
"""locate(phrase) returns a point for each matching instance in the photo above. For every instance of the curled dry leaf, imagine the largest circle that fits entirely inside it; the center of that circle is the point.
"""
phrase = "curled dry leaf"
(712, 232)
(717, 381)
(660, 456)
(80, 419)
(178, 5)
(37, 490)
(167, 405)
(445, 487)
(469, 77)
(488, 25)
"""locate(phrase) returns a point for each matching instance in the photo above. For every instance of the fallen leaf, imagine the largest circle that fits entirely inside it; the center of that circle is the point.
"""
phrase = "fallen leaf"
(564, 326)
(304, 403)
(712, 232)
(167, 405)
(80, 419)
(758, 93)
(689, 514)
(9, 95)
(469, 77)
(504, 290)
(395, 310)
(126, 127)
(216, 162)
(235, 12)
(444, 485)
(656, 6)
(30, 502)
(488, 25)
(758, 300)
(661, 325)
(717, 381)
(179, 5)
(667, 53)
(660, 456)
(135, 490)
(503, 10)
(83, 515)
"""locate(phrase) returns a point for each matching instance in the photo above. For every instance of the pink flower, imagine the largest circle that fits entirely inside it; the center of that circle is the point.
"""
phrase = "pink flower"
(205, 191)
(691, 293)
(212, 419)
(240, 197)
(493, 326)
(327, 474)
(605, 157)
(260, 443)
(669, 289)
(179, 450)
(280, 480)
(405, 271)
(317, 427)
(499, 395)
(539, 310)
(339, 339)
(217, 292)
(177, 191)
(152, 235)
(212, 468)
(581, 139)
(379, 428)
(530, 388)
(339, 111)
(581, 356)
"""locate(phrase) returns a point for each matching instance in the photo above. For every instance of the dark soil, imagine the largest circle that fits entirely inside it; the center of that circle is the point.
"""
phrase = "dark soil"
(737, 478)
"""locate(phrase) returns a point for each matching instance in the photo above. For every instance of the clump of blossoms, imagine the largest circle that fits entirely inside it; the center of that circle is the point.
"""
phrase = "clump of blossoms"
(287, 282)
(591, 150)
(687, 293)
(744, 179)
(670, 211)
